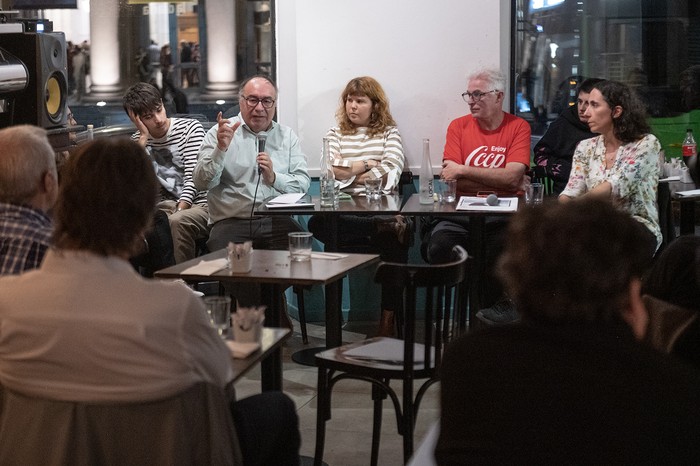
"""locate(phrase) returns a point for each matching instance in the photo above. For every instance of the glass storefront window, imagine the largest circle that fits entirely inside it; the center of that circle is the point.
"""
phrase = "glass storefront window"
(651, 46)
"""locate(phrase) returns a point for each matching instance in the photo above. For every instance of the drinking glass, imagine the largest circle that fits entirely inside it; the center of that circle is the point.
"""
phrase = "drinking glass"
(219, 309)
(300, 245)
(446, 191)
(373, 188)
(534, 195)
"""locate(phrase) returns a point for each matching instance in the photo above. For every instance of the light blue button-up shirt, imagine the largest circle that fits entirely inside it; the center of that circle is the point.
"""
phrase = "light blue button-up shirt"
(231, 176)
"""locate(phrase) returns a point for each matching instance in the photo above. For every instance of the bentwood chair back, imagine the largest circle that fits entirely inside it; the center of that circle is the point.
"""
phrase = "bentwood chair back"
(417, 356)
(194, 427)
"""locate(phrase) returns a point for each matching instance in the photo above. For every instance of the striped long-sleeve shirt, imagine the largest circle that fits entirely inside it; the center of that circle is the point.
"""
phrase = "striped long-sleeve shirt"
(386, 148)
(174, 158)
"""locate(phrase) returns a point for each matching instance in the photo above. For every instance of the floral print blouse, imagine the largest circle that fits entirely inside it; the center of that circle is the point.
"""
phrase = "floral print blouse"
(634, 177)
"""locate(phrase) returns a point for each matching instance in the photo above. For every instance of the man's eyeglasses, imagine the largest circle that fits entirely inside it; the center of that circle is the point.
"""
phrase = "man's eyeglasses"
(254, 101)
(476, 95)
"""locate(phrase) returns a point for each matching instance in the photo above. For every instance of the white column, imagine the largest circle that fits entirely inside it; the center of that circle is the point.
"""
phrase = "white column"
(221, 47)
(104, 49)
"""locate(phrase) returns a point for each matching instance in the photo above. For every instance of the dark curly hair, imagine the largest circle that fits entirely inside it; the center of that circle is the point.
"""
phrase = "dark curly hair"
(632, 124)
(573, 261)
(142, 98)
(380, 118)
(107, 198)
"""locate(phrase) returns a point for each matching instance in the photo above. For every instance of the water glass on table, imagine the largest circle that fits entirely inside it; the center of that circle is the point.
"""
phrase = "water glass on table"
(219, 309)
(373, 188)
(534, 194)
(446, 191)
(300, 245)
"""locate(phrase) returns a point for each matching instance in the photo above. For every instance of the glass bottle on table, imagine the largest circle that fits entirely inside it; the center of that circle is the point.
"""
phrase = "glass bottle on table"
(425, 180)
(327, 178)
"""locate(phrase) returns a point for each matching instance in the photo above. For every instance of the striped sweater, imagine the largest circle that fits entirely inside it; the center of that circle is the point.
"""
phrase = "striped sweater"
(385, 148)
(174, 158)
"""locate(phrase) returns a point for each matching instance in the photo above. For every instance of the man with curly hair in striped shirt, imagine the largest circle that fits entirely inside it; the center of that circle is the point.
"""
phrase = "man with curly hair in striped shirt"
(173, 144)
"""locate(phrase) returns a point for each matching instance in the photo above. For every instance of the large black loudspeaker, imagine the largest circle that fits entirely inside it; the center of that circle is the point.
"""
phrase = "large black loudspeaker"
(43, 102)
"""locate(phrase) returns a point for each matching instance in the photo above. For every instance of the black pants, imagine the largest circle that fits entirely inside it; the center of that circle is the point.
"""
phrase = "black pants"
(159, 247)
(268, 429)
(448, 232)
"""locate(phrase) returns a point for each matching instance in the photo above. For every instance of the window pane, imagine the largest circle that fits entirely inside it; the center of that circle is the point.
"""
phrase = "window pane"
(646, 44)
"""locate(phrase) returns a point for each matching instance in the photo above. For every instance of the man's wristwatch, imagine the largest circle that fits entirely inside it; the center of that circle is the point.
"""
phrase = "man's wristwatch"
(366, 165)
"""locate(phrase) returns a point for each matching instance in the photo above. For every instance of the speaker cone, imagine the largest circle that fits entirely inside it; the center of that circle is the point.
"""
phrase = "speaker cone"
(55, 101)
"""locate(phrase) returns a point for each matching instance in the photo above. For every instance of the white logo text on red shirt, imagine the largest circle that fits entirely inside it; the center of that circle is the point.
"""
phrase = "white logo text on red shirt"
(485, 158)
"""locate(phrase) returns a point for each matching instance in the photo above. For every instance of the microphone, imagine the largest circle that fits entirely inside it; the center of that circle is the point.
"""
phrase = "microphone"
(492, 199)
(262, 137)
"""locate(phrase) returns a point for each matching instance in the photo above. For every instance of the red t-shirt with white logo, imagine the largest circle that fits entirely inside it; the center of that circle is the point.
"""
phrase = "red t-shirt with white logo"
(468, 144)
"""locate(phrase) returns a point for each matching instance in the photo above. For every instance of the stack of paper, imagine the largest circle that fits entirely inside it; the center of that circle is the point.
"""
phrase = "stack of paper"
(692, 192)
(288, 200)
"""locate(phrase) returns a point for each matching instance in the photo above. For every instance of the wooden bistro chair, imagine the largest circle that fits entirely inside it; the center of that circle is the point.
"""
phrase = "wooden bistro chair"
(417, 356)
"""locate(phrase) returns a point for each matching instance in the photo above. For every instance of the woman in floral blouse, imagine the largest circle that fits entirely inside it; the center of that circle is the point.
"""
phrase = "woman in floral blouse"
(622, 163)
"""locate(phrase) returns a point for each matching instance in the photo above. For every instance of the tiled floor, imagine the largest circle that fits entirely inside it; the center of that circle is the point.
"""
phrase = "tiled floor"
(349, 432)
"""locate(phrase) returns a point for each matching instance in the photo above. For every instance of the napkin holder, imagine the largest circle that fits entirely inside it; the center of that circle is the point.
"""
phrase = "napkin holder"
(252, 334)
(240, 257)
(247, 324)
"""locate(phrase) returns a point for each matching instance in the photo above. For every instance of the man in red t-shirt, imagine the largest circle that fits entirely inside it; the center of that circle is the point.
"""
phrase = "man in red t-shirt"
(486, 151)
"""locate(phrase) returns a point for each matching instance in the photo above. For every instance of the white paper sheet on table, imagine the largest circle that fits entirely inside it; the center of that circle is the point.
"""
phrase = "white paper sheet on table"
(692, 192)
(288, 200)
(474, 203)
(385, 349)
(206, 267)
(328, 255)
(241, 350)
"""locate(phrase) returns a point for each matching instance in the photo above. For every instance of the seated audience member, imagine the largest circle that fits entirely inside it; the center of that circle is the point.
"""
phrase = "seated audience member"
(28, 190)
(622, 164)
(173, 145)
(672, 296)
(239, 178)
(571, 382)
(554, 151)
(487, 151)
(366, 144)
(90, 303)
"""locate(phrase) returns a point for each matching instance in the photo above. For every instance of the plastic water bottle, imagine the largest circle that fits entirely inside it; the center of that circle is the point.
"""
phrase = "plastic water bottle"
(90, 132)
(426, 176)
(327, 179)
(690, 155)
(690, 148)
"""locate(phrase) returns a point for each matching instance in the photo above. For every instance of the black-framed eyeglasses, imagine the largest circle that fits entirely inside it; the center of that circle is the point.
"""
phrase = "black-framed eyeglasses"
(476, 95)
(254, 101)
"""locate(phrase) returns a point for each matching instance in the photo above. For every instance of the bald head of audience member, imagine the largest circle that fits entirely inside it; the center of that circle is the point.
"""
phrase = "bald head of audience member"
(27, 168)
(580, 261)
(107, 199)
